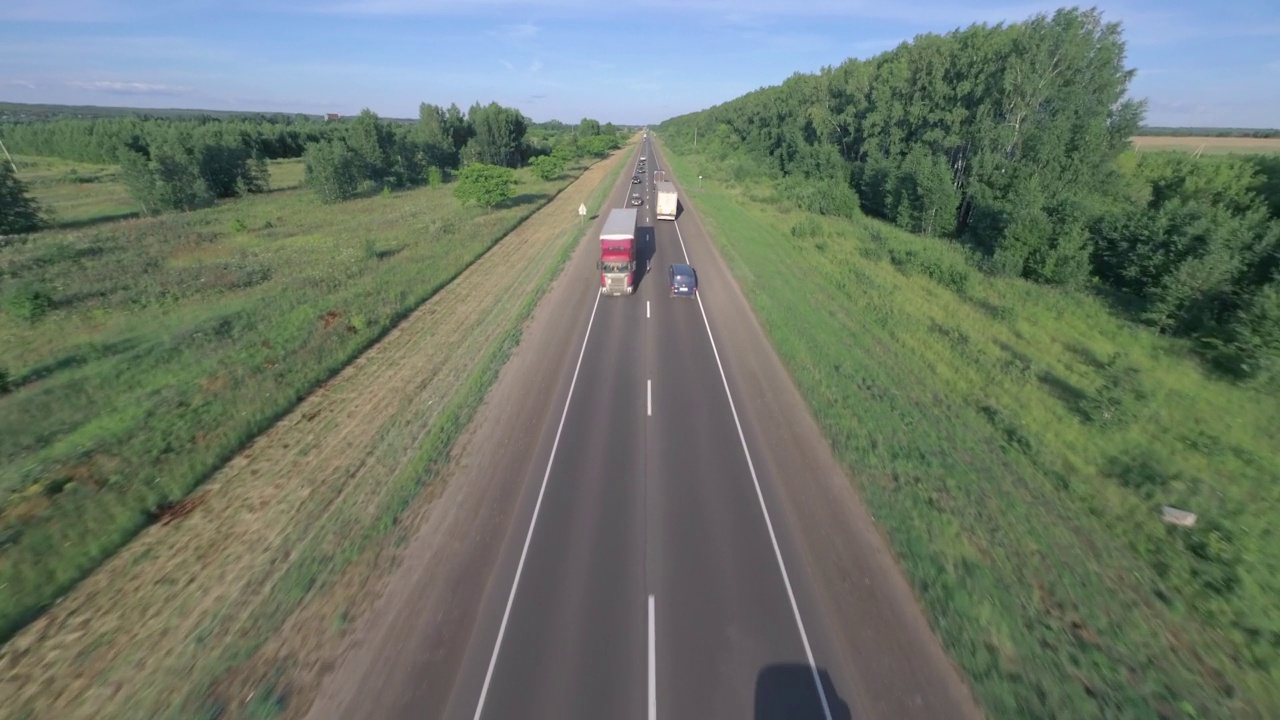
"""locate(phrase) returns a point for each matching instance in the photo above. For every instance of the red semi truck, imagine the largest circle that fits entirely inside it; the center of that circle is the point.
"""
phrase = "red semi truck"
(618, 252)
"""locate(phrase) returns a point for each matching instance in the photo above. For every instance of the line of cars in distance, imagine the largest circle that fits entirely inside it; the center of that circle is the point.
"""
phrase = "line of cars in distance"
(617, 260)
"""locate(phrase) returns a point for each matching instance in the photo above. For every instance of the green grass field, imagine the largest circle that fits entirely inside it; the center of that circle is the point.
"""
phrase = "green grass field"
(140, 355)
(82, 194)
(1017, 444)
(1206, 145)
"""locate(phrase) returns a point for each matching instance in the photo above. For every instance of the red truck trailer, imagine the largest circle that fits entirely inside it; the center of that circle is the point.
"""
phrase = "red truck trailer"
(618, 252)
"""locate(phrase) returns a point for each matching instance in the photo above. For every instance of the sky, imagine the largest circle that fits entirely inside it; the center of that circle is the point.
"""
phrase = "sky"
(1198, 63)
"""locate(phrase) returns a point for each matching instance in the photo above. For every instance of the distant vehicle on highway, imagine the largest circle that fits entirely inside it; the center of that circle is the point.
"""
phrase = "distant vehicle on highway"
(683, 280)
(642, 158)
(640, 169)
(635, 180)
(635, 199)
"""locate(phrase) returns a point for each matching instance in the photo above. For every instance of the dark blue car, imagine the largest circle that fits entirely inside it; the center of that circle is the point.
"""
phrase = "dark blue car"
(683, 280)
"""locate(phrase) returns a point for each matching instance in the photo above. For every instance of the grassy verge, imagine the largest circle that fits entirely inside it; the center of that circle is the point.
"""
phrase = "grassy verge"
(320, 556)
(1017, 443)
(140, 356)
(82, 194)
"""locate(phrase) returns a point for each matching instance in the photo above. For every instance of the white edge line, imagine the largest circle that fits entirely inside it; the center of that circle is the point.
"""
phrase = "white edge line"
(777, 552)
(506, 614)
(653, 665)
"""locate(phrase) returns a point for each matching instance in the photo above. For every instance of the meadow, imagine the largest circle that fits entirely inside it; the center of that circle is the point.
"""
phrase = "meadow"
(1206, 145)
(1017, 443)
(81, 194)
(139, 355)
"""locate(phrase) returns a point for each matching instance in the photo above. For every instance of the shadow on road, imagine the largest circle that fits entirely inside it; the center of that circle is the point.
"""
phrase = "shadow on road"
(786, 691)
(645, 250)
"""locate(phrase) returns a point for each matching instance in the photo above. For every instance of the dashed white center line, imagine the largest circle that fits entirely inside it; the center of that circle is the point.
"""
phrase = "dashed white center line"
(648, 392)
(646, 308)
(653, 666)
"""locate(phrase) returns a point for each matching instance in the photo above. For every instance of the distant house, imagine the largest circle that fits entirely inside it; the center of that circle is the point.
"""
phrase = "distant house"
(332, 116)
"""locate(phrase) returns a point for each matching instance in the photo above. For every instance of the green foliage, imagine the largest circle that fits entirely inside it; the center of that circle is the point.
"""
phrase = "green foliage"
(100, 140)
(333, 171)
(373, 144)
(1017, 444)
(821, 196)
(1014, 139)
(588, 128)
(19, 213)
(497, 135)
(547, 167)
(174, 343)
(484, 185)
(169, 181)
(28, 302)
(597, 145)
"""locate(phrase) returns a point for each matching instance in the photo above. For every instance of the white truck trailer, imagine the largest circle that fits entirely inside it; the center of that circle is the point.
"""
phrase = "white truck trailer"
(668, 201)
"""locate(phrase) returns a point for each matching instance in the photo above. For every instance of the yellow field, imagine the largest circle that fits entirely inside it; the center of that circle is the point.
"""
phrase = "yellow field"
(1213, 145)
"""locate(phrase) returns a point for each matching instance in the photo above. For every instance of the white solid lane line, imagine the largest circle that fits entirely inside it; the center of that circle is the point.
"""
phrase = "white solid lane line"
(506, 614)
(777, 553)
(653, 666)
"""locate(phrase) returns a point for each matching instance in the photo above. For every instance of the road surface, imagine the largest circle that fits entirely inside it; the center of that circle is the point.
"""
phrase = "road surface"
(669, 548)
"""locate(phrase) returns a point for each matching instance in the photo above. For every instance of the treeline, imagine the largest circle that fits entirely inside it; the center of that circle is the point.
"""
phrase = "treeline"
(1014, 139)
(100, 141)
(370, 153)
(184, 164)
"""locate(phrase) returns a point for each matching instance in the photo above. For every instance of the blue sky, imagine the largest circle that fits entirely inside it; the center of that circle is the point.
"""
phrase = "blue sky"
(641, 61)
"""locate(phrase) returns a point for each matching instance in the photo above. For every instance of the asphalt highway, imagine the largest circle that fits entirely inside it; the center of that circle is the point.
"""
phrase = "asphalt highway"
(650, 582)
(646, 522)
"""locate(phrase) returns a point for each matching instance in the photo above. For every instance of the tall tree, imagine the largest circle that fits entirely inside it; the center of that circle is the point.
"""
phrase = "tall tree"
(19, 213)
(498, 135)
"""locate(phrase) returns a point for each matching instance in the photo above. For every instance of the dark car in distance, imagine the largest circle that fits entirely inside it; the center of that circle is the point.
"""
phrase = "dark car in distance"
(683, 280)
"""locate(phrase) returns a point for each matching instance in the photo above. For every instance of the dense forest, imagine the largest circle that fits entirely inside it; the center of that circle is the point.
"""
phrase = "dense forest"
(1014, 140)
(184, 163)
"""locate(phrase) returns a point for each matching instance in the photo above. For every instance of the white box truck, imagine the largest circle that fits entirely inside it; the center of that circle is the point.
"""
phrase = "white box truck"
(668, 200)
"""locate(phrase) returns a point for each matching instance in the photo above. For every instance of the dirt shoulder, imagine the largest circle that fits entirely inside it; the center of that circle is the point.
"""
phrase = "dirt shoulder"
(241, 607)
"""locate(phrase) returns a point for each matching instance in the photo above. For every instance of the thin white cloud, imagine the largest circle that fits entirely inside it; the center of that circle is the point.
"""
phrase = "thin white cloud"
(63, 11)
(519, 31)
(95, 50)
(506, 64)
(129, 88)
(21, 83)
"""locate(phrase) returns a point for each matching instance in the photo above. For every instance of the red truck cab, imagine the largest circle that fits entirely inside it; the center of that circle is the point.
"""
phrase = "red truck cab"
(618, 252)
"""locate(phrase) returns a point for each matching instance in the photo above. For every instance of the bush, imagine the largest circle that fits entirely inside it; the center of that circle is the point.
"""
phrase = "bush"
(29, 303)
(485, 185)
(333, 170)
(824, 197)
(547, 167)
